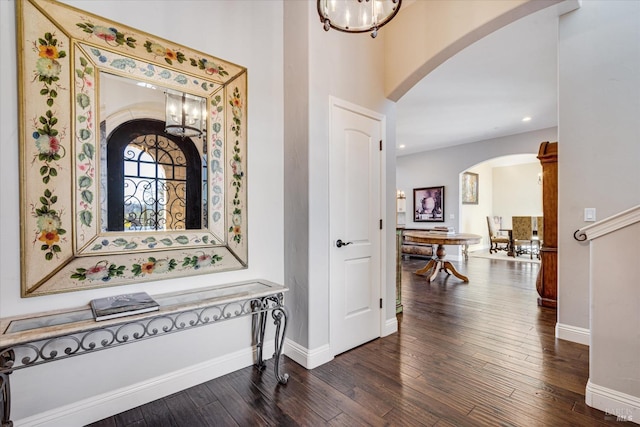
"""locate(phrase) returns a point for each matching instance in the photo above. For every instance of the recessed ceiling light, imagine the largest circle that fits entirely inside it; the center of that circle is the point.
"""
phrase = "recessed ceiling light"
(526, 119)
(401, 146)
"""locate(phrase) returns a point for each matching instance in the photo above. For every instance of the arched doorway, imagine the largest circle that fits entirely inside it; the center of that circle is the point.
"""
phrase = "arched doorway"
(509, 186)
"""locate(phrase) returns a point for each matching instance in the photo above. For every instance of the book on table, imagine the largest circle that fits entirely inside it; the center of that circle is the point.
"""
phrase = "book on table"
(123, 305)
(448, 231)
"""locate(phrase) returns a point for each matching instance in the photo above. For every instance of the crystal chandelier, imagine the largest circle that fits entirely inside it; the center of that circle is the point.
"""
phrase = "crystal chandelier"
(357, 16)
(184, 114)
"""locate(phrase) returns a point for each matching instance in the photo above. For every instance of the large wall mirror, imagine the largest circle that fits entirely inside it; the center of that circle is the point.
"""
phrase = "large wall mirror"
(133, 154)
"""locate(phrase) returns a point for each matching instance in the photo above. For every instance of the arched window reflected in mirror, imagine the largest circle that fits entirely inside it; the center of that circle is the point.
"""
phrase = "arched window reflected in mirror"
(155, 180)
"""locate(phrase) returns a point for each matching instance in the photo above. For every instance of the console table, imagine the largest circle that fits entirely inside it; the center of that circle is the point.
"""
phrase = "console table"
(45, 337)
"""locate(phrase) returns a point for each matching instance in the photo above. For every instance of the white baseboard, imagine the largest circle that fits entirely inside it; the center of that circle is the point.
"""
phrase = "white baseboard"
(390, 326)
(618, 406)
(573, 334)
(310, 359)
(114, 402)
(307, 358)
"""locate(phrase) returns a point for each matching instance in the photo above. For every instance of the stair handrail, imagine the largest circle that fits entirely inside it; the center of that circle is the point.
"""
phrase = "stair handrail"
(608, 225)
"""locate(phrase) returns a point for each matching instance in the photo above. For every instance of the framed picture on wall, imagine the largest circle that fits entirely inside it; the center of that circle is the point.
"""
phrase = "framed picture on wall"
(469, 188)
(428, 204)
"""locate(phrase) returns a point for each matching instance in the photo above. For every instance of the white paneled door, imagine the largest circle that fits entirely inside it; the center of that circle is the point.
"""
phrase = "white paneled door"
(355, 227)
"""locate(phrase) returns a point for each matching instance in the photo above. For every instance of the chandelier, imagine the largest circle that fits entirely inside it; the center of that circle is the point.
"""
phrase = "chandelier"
(357, 16)
(184, 114)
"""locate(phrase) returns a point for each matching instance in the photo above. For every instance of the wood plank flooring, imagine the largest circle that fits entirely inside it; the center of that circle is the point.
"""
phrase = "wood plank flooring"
(476, 354)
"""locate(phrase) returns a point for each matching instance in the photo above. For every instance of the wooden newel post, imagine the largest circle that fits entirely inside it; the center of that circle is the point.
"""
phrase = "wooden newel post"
(547, 281)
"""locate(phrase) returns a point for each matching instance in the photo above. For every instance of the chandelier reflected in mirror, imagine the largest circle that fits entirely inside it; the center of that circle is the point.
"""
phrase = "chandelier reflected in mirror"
(357, 16)
(185, 114)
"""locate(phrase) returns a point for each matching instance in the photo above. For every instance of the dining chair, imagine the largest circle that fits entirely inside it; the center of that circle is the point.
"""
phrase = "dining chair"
(495, 238)
(522, 235)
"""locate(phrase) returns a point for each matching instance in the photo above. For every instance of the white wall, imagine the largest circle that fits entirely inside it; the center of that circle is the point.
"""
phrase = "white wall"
(473, 218)
(296, 168)
(516, 191)
(614, 358)
(248, 33)
(349, 68)
(323, 64)
(443, 166)
(599, 134)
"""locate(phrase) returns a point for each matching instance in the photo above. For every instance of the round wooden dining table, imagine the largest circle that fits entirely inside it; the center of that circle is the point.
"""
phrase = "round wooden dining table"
(439, 263)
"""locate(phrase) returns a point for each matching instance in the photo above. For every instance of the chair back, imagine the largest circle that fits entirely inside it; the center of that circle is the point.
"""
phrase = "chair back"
(497, 224)
(522, 227)
(540, 222)
(492, 229)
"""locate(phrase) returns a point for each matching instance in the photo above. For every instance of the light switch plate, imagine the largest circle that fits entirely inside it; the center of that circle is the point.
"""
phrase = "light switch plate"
(589, 214)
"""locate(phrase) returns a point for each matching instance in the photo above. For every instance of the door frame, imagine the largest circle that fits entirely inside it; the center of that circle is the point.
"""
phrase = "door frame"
(386, 300)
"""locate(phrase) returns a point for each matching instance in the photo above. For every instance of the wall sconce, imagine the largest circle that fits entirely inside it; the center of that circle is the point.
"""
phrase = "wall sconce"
(184, 114)
(401, 202)
(357, 16)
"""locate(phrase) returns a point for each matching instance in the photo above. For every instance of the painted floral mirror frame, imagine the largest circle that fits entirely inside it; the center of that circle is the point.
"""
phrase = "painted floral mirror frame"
(62, 51)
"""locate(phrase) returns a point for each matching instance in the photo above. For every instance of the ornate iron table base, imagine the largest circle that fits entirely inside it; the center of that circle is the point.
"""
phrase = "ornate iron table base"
(279, 315)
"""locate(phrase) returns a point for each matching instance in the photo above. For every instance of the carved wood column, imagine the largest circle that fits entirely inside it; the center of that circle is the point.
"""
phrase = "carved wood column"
(547, 281)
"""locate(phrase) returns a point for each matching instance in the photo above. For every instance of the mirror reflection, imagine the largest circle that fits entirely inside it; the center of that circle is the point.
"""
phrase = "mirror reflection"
(152, 166)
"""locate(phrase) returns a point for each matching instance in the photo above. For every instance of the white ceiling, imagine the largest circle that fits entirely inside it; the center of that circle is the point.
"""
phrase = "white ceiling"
(486, 90)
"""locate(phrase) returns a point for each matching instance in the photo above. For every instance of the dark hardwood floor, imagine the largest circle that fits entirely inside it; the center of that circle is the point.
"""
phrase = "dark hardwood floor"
(476, 354)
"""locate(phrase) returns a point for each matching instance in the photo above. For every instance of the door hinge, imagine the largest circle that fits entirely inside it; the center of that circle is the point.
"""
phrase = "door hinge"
(380, 302)
(380, 224)
(380, 145)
